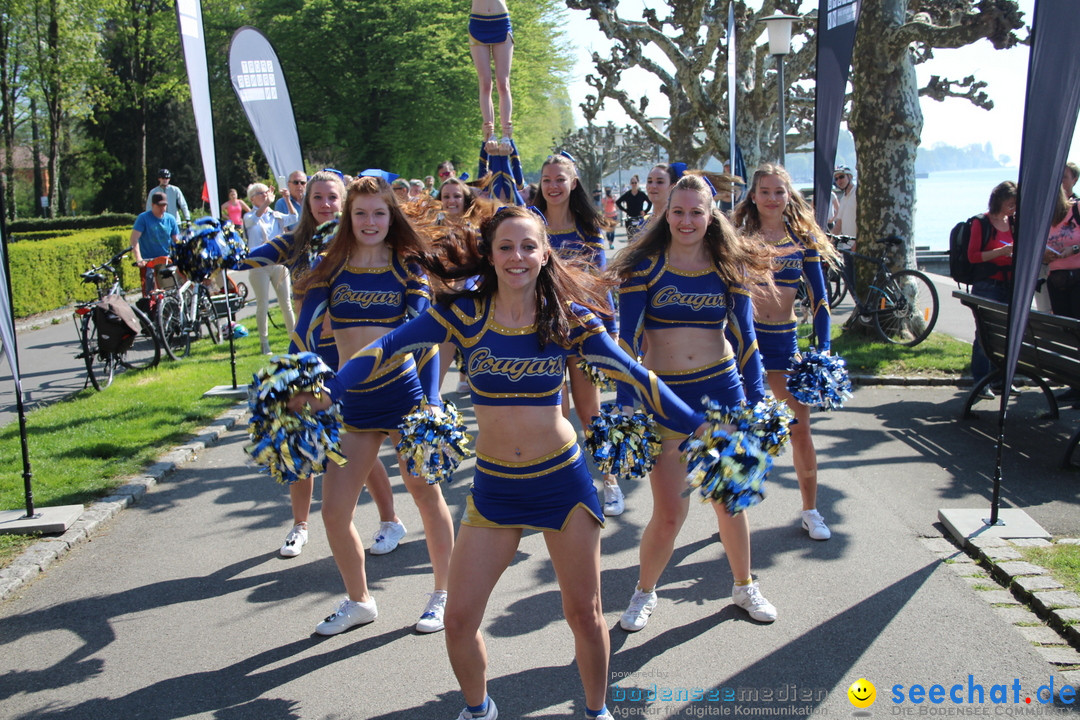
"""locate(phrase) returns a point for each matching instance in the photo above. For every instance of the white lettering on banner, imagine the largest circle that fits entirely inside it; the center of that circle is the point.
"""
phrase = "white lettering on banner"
(839, 17)
(257, 81)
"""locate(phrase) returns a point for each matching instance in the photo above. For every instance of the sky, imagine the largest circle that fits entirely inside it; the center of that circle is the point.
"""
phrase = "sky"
(953, 122)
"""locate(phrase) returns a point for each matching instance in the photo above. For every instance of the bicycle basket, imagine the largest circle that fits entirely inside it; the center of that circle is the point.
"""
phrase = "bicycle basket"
(116, 323)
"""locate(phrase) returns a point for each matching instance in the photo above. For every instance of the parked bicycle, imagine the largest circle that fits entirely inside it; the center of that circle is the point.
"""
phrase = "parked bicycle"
(903, 305)
(108, 340)
(181, 309)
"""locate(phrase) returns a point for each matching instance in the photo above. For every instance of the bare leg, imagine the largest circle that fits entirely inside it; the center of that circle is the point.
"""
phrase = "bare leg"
(803, 455)
(378, 486)
(735, 535)
(300, 498)
(438, 524)
(504, 58)
(481, 56)
(479, 559)
(575, 555)
(341, 490)
(670, 506)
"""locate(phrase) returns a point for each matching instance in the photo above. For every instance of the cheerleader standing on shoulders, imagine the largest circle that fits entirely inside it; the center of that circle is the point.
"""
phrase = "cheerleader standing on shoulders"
(529, 313)
(322, 204)
(367, 285)
(682, 288)
(575, 229)
(491, 37)
(774, 211)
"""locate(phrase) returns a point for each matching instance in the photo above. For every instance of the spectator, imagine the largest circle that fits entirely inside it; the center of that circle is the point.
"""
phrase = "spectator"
(429, 186)
(154, 233)
(635, 204)
(261, 225)
(1063, 254)
(295, 190)
(1068, 180)
(234, 209)
(844, 217)
(177, 203)
(416, 189)
(400, 186)
(445, 171)
(611, 214)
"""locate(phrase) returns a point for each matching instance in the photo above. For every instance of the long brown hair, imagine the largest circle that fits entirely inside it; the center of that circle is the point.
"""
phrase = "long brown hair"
(404, 241)
(560, 282)
(798, 215)
(739, 260)
(305, 228)
(585, 214)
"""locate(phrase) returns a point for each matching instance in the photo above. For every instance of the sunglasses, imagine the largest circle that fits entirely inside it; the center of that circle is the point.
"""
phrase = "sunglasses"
(298, 182)
(444, 174)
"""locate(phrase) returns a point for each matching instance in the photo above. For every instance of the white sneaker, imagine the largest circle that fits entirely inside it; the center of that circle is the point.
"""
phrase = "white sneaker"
(463, 387)
(491, 714)
(813, 523)
(348, 614)
(387, 537)
(294, 541)
(614, 500)
(750, 599)
(432, 619)
(606, 715)
(638, 612)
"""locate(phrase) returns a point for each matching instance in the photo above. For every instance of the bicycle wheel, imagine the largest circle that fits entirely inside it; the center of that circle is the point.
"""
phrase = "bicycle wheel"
(834, 281)
(169, 319)
(907, 308)
(99, 366)
(208, 315)
(804, 315)
(146, 350)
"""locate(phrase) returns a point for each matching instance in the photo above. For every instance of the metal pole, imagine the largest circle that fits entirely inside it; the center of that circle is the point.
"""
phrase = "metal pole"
(229, 316)
(783, 124)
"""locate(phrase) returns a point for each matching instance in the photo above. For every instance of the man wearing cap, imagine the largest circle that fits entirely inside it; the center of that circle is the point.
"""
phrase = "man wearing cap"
(844, 218)
(154, 233)
(177, 203)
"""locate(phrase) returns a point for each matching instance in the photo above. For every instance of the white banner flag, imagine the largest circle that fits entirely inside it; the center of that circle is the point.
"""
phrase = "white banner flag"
(7, 322)
(189, 18)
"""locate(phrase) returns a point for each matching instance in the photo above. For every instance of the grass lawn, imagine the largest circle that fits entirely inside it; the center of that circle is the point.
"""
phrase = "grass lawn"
(82, 448)
(938, 356)
(1062, 560)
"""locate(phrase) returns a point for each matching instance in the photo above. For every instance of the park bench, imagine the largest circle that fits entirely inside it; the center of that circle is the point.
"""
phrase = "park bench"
(1049, 354)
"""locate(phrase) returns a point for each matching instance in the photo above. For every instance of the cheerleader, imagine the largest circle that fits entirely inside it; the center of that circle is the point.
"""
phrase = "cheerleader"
(682, 287)
(294, 250)
(575, 228)
(530, 312)
(491, 37)
(775, 212)
(367, 286)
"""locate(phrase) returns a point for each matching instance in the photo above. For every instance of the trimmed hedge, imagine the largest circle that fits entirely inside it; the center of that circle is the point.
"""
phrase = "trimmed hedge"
(45, 274)
(77, 222)
(41, 235)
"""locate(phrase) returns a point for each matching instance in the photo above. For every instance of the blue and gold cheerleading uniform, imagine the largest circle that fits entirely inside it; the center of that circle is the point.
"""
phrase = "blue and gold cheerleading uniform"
(575, 243)
(490, 29)
(277, 252)
(507, 367)
(384, 297)
(656, 296)
(777, 339)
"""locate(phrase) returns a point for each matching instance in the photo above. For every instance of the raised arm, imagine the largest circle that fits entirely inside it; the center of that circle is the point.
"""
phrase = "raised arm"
(633, 294)
(814, 272)
(418, 301)
(740, 331)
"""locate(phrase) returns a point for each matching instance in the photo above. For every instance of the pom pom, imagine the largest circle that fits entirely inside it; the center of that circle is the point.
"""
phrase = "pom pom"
(434, 442)
(622, 445)
(768, 420)
(320, 240)
(291, 446)
(206, 247)
(595, 375)
(820, 381)
(727, 468)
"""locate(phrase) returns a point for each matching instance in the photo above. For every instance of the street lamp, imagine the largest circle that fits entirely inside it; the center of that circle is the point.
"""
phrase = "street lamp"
(779, 29)
(618, 162)
(658, 125)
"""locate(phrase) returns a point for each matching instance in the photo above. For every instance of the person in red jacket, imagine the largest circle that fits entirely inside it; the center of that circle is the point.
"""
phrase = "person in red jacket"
(993, 261)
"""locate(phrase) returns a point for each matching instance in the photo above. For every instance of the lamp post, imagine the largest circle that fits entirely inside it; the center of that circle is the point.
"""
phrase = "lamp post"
(658, 125)
(779, 29)
(618, 162)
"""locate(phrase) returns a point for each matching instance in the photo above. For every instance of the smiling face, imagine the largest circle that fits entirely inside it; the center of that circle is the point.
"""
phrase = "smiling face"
(453, 199)
(518, 251)
(370, 217)
(324, 201)
(556, 182)
(658, 186)
(862, 693)
(771, 197)
(688, 216)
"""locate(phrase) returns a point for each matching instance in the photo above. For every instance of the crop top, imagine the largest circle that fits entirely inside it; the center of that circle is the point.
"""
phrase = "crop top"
(795, 260)
(384, 297)
(656, 296)
(506, 366)
(575, 243)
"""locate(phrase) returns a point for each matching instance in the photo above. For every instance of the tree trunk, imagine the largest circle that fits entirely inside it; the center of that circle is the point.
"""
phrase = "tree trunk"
(7, 111)
(886, 123)
(55, 108)
(35, 151)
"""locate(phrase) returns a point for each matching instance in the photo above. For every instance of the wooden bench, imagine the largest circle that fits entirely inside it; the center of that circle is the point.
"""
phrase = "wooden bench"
(1049, 353)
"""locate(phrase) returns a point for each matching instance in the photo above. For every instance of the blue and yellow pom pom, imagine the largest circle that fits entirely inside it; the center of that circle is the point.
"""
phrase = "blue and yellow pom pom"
(622, 445)
(206, 247)
(820, 381)
(434, 442)
(291, 446)
(596, 377)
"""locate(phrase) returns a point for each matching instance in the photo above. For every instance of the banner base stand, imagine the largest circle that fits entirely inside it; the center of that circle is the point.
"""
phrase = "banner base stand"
(966, 525)
(46, 520)
(227, 391)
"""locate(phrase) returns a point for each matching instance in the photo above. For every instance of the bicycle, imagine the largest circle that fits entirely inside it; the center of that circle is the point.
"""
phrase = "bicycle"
(180, 309)
(903, 304)
(105, 349)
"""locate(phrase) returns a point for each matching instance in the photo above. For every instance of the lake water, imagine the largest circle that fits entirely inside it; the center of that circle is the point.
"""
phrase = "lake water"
(945, 198)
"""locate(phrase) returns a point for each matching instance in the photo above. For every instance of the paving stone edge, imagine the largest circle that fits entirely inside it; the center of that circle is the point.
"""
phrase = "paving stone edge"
(38, 557)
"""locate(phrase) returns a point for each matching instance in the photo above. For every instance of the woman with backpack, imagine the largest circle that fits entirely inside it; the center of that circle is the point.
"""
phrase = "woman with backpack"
(991, 255)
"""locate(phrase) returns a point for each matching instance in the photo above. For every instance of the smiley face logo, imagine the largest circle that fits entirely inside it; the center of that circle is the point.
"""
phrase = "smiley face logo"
(862, 693)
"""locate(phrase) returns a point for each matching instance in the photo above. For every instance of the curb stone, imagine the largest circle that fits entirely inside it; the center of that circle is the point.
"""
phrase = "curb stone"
(1031, 601)
(39, 556)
